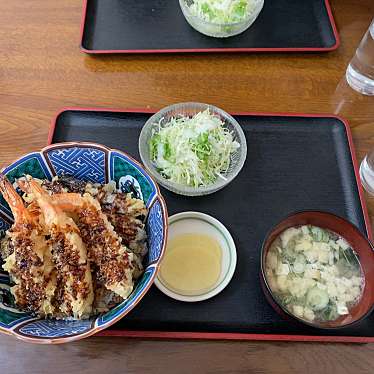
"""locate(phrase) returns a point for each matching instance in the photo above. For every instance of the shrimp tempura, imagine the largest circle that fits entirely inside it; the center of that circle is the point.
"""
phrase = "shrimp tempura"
(74, 295)
(28, 258)
(114, 262)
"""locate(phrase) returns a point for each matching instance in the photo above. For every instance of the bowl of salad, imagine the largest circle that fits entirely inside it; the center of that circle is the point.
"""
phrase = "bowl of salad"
(318, 269)
(221, 18)
(193, 149)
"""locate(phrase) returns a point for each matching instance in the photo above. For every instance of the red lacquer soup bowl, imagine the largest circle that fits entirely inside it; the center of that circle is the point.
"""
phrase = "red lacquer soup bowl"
(360, 244)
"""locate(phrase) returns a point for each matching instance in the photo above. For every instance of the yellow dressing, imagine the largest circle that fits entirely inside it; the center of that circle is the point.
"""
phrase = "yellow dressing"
(192, 264)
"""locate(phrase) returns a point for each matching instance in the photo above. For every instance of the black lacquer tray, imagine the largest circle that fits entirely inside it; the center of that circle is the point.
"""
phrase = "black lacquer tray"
(295, 162)
(158, 26)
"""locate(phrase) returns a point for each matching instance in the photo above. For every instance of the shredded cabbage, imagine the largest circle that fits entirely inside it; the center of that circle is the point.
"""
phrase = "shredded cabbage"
(192, 151)
(222, 11)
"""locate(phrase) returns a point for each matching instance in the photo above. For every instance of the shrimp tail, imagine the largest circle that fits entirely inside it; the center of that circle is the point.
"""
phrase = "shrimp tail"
(14, 200)
(31, 187)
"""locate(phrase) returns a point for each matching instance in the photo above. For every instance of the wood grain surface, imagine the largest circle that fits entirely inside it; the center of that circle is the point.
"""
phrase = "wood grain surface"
(42, 70)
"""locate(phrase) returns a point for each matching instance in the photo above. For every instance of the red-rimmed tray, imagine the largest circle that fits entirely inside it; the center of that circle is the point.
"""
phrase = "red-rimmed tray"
(158, 26)
(294, 162)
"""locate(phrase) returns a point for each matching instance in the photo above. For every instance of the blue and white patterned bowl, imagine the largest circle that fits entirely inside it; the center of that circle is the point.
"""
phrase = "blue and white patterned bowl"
(95, 163)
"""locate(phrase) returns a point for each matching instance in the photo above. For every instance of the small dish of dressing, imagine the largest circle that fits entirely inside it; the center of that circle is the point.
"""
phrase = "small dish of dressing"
(200, 258)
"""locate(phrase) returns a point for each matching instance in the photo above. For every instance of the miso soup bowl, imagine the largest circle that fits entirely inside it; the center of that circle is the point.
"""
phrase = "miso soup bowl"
(360, 244)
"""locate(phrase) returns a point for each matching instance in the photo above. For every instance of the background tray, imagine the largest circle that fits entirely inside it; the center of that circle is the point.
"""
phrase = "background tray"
(294, 162)
(148, 26)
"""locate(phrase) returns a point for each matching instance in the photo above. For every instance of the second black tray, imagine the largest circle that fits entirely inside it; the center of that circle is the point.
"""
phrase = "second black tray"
(294, 163)
(158, 26)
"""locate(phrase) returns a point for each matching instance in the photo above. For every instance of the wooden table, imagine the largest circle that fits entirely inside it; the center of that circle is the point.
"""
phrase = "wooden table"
(42, 70)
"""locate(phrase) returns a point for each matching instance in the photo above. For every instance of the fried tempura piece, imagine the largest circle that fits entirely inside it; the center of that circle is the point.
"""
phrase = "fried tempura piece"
(74, 296)
(113, 261)
(28, 257)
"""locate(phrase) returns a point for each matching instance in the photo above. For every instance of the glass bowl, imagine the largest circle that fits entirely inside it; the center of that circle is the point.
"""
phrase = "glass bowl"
(361, 245)
(220, 30)
(189, 109)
